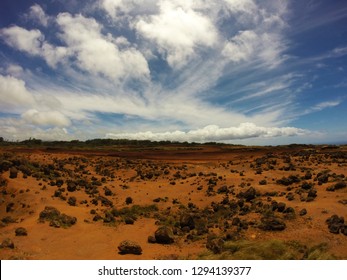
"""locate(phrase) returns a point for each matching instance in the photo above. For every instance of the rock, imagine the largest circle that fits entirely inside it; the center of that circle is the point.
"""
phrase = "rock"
(337, 186)
(21, 231)
(312, 193)
(322, 178)
(336, 224)
(72, 201)
(151, 239)
(281, 206)
(344, 230)
(306, 186)
(13, 173)
(249, 194)
(49, 213)
(129, 220)
(129, 247)
(164, 235)
(340, 185)
(9, 207)
(303, 212)
(215, 244)
(67, 221)
(290, 196)
(71, 186)
(272, 224)
(7, 243)
(187, 220)
(55, 218)
(334, 228)
(334, 219)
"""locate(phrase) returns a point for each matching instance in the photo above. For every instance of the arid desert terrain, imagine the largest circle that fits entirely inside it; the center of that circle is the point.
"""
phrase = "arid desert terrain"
(173, 202)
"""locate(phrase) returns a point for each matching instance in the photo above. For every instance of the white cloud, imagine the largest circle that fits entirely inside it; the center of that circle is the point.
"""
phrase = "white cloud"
(13, 95)
(177, 31)
(28, 41)
(38, 14)
(241, 6)
(326, 104)
(48, 118)
(33, 42)
(250, 44)
(14, 70)
(97, 54)
(213, 133)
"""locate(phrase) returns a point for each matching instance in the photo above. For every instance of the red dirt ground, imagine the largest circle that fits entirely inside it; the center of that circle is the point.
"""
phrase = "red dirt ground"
(187, 168)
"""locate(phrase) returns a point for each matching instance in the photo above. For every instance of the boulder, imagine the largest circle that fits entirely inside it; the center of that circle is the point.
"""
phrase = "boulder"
(187, 220)
(49, 213)
(164, 235)
(129, 247)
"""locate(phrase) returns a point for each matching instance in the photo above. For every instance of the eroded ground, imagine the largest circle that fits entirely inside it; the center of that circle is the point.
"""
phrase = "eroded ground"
(75, 204)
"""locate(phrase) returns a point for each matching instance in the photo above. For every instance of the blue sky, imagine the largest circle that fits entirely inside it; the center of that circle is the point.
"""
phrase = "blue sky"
(236, 71)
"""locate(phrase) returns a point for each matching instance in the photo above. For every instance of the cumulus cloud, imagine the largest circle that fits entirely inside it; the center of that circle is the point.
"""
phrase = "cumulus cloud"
(28, 41)
(33, 42)
(96, 53)
(37, 14)
(177, 31)
(48, 118)
(13, 95)
(213, 133)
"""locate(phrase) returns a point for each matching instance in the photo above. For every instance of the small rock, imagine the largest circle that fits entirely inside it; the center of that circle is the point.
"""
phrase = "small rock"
(303, 212)
(281, 206)
(21, 231)
(215, 245)
(7, 243)
(151, 239)
(129, 247)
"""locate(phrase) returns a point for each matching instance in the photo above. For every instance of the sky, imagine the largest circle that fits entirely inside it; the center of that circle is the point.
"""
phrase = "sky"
(235, 71)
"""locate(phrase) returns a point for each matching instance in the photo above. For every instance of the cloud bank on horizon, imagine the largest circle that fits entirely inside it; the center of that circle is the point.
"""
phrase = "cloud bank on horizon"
(175, 70)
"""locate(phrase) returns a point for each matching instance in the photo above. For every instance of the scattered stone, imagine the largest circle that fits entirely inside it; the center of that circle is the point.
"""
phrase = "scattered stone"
(215, 244)
(336, 224)
(128, 200)
(337, 186)
(7, 243)
(72, 201)
(151, 239)
(187, 220)
(281, 206)
(71, 186)
(248, 195)
(164, 235)
(272, 224)
(129, 220)
(129, 247)
(303, 212)
(21, 231)
(13, 172)
(55, 218)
